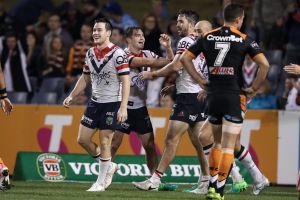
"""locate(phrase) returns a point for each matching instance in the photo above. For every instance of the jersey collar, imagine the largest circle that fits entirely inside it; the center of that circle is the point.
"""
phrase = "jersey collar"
(101, 53)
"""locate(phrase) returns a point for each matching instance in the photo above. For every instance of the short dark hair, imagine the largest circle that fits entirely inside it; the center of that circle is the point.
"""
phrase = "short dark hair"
(129, 30)
(108, 25)
(121, 31)
(11, 34)
(233, 11)
(190, 15)
(55, 14)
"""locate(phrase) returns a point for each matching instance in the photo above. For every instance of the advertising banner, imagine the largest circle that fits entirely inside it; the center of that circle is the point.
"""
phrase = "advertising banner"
(81, 167)
(272, 137)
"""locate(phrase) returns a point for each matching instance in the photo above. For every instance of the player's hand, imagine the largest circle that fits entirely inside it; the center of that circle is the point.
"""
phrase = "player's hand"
(250, 93)
(122, 114)
(165, 40)
(292, 69)
(202, 96)
(6, 106)
(203, 84)
(145, 75)
(166, 90)
(67, 102)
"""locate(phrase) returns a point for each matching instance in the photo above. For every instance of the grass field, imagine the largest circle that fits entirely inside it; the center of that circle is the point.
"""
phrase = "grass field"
(74, 191)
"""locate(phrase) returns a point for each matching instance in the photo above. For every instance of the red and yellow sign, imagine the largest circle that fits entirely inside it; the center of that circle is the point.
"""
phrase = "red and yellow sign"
(54, 129)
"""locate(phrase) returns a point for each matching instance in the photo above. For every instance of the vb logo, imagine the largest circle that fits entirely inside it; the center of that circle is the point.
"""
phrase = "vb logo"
(51, 167)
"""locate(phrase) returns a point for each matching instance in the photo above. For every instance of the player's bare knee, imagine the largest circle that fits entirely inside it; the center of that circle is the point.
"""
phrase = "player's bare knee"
(81, 141)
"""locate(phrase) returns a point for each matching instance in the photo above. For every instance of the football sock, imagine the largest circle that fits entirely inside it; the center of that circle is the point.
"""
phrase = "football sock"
(207, 150)
(156, 176)
(245, 158)
(235, 173)
(224, 170)
(104, 164)
(214, 161)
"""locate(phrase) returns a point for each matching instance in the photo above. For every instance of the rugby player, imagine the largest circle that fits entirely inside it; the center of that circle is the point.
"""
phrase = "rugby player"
(7, 107)
(188, 113)
(138, 117)
(225, 49)
(106, 67)
(240, 152)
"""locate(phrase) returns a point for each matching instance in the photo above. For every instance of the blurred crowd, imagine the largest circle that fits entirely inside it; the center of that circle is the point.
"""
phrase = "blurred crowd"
(42, 46)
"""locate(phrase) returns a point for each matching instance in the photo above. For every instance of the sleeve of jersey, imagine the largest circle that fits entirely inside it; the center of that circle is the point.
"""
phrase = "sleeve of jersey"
(183, 44)
(130, 58)
(86, 69)
(195, 49)
(253, 49)
(121, 62)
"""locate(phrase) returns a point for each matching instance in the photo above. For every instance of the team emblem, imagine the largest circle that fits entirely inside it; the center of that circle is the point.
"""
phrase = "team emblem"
(109, 120)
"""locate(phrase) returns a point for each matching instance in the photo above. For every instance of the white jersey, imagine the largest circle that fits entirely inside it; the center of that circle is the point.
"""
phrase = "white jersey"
(104, 67)
(138, 87)
(184, 82)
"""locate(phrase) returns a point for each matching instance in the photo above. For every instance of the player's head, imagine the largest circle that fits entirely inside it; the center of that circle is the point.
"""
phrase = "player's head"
(234, 14)
(135, 37)
(186, 21)
(202, 27)
(101, 31)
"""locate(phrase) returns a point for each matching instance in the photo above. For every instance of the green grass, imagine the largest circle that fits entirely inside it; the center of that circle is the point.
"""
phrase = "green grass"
(74, 191)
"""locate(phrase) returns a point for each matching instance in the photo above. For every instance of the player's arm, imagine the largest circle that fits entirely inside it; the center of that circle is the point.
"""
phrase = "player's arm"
(2, 81)
(165, 41)
(123, 71)
(259, 58)
(263, 67)
(81, 84)
(122, 113)
(151, 62)
(5, 103)
(155, 61)
(172, 67)
(187, 62)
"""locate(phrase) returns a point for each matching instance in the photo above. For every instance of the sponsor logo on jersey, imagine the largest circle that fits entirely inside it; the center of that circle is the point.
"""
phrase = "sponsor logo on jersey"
(51, 167)
(231, 38)
(121, 59)
(98, 78)
(221, 70)
(138, 82)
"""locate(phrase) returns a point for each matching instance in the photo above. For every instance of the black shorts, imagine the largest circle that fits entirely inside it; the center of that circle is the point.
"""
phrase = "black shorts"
(188, 109)
(100, 115)
(138, 121)
(231, 107)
